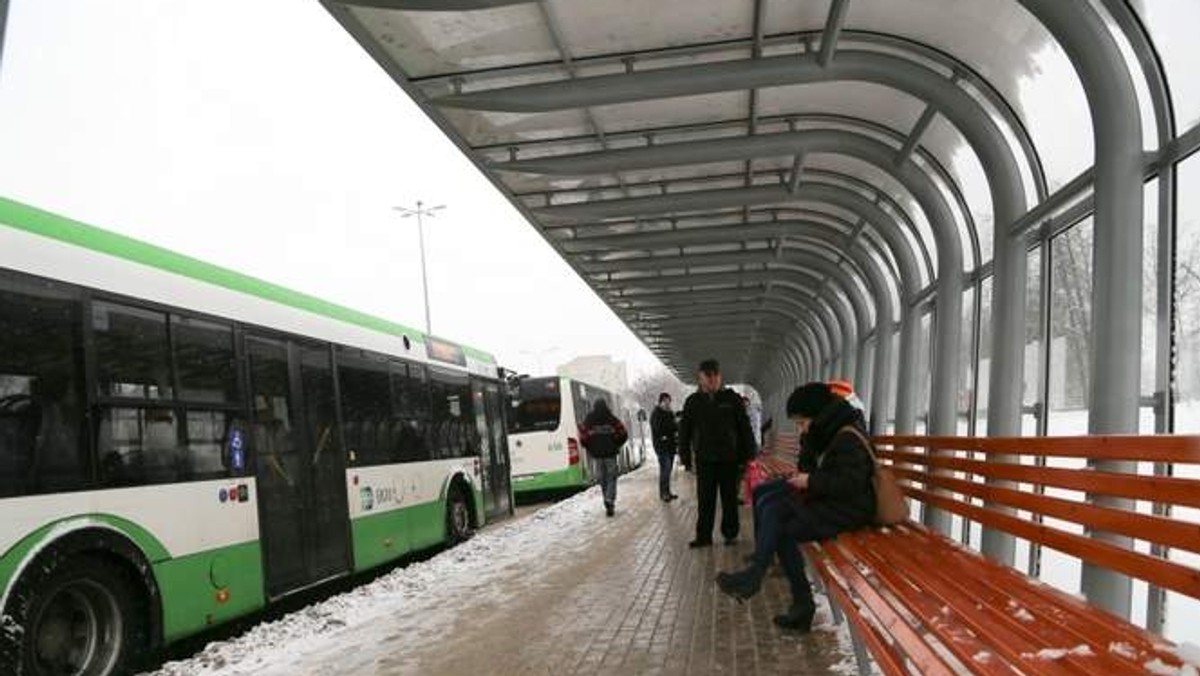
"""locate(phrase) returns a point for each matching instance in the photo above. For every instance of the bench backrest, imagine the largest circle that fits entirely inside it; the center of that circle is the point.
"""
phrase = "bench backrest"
(993, 480)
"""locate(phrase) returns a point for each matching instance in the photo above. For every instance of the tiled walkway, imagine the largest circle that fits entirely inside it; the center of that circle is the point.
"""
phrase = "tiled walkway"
(633, 599)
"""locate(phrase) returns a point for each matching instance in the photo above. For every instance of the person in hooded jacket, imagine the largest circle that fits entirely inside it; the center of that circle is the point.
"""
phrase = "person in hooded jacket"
(602, 434)
(833, 493)
(664, 430)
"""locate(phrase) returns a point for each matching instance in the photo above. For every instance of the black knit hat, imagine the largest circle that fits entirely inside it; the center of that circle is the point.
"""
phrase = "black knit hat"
(808, 400)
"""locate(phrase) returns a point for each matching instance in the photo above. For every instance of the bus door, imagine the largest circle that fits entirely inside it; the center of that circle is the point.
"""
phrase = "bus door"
(303, 514)
(496, 472)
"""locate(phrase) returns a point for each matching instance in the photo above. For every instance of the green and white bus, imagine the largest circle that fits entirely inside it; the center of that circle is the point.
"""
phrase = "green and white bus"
(543, 433)
(181, 444)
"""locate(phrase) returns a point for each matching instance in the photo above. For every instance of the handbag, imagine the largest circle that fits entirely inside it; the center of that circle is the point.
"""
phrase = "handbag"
(890, 505)
(755, 475)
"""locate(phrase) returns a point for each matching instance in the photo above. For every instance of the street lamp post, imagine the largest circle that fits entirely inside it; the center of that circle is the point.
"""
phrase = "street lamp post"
(420, 212)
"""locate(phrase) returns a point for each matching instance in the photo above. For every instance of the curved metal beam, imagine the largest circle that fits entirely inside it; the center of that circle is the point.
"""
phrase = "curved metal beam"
(831, 270)
(432, 5)
(948, 337)
(1008, 195)
(843, 198)
(876, 284)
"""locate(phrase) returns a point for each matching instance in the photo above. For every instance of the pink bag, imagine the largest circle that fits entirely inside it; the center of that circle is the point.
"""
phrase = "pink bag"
(755, 475)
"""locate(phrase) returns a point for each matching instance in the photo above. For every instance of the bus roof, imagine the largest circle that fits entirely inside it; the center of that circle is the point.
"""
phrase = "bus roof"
(46, 224)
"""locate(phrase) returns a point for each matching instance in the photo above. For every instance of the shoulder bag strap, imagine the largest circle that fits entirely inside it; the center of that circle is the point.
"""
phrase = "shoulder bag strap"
(863, 438)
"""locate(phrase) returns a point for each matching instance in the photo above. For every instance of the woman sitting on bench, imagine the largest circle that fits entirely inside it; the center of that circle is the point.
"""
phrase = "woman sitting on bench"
(831, 494)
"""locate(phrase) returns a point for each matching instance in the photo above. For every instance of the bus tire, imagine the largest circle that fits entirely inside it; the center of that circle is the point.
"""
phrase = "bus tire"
(459, 524)
(77, 614)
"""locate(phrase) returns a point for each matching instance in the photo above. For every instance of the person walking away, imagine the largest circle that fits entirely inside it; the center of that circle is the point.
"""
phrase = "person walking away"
(663, 431)
(602, 434)
(715, 437)
(832, 494)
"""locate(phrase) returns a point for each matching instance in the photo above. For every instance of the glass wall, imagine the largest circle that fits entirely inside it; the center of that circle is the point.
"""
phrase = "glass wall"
(1070, 329)
(1172, 25)
(893, 381)
(1187, 300)
(966, 365)
(1069, 381)
(1183, 612)
(985, 356)
(924, 370)
(1149, 306)
(1032, 406)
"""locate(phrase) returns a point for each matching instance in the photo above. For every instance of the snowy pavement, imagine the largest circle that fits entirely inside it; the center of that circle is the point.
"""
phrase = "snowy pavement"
(563, 590)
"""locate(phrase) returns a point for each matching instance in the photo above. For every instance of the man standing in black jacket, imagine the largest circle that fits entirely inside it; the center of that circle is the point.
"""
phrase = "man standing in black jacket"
(663, 429)
(715, 438)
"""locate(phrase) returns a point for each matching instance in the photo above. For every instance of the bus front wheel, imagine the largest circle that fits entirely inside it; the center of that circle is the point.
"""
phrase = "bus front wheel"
(78, 616)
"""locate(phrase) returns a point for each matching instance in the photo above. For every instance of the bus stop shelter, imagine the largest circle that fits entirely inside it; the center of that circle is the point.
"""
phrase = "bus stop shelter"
(966, 207)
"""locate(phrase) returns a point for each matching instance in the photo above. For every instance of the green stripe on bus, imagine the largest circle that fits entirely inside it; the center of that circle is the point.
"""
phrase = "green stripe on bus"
(571, 477)
(193, 587)
(386, 536)
(11, 559)
(39, 222)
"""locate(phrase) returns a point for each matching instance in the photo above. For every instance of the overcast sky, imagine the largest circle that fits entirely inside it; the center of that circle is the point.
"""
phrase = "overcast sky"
(259, 136)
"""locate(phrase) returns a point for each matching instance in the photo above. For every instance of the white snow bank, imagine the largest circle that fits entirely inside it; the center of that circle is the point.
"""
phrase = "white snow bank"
(463, 569)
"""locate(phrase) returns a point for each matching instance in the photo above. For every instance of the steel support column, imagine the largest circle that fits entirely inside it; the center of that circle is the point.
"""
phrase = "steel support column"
(1116, 253)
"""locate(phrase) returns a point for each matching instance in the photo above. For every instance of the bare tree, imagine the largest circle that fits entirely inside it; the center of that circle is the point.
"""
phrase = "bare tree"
(1071, 309)
(645, 390)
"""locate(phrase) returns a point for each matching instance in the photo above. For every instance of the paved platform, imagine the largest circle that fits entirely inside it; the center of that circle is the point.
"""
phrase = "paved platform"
(633, 600)
(561, 590)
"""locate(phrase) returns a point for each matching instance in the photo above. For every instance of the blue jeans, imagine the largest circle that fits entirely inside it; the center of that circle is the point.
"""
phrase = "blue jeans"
(765, 493)
(607, 476)
(781, 526)
(666, 461)
(777, 534)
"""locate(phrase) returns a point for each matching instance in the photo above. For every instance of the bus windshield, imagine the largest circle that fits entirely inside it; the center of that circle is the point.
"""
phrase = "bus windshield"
(536, 407)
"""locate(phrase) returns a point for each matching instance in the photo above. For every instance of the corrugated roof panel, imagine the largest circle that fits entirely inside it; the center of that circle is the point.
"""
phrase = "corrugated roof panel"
(594, 28)
(434, 43)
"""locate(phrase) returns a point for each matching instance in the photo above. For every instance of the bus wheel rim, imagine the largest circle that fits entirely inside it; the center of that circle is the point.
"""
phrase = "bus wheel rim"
(461, 517)
(79, 631)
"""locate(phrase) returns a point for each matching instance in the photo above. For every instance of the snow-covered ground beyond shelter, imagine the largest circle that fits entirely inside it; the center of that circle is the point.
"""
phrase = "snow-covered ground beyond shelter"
(553, 592)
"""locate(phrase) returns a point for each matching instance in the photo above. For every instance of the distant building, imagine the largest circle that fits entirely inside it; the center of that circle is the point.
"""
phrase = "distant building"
(598, 370)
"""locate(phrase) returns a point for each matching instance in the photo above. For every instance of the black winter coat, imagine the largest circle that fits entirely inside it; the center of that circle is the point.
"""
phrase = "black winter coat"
(840, 468)
(602, 434)
(664, 430)
(715, 428)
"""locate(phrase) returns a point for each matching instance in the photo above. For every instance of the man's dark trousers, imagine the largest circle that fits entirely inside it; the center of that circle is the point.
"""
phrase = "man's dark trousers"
(712, 477)
(665, 462)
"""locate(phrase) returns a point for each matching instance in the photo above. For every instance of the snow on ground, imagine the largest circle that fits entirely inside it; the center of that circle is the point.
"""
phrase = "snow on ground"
(417, 589)
(390, 624)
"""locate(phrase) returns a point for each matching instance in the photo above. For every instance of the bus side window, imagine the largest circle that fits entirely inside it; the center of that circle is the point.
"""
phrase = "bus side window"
(41, 403)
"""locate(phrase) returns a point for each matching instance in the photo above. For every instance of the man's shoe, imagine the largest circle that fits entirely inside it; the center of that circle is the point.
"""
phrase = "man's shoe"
(609, 509)
(740, 585)
(798, 618)
(672, 497)
(698, 543)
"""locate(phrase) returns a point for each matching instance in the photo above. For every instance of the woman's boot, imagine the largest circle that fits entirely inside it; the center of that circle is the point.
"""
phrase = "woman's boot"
(799, 617)
(742, 584)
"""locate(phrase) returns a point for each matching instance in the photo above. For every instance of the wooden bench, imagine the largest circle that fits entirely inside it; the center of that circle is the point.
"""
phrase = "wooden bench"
(921, 603)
